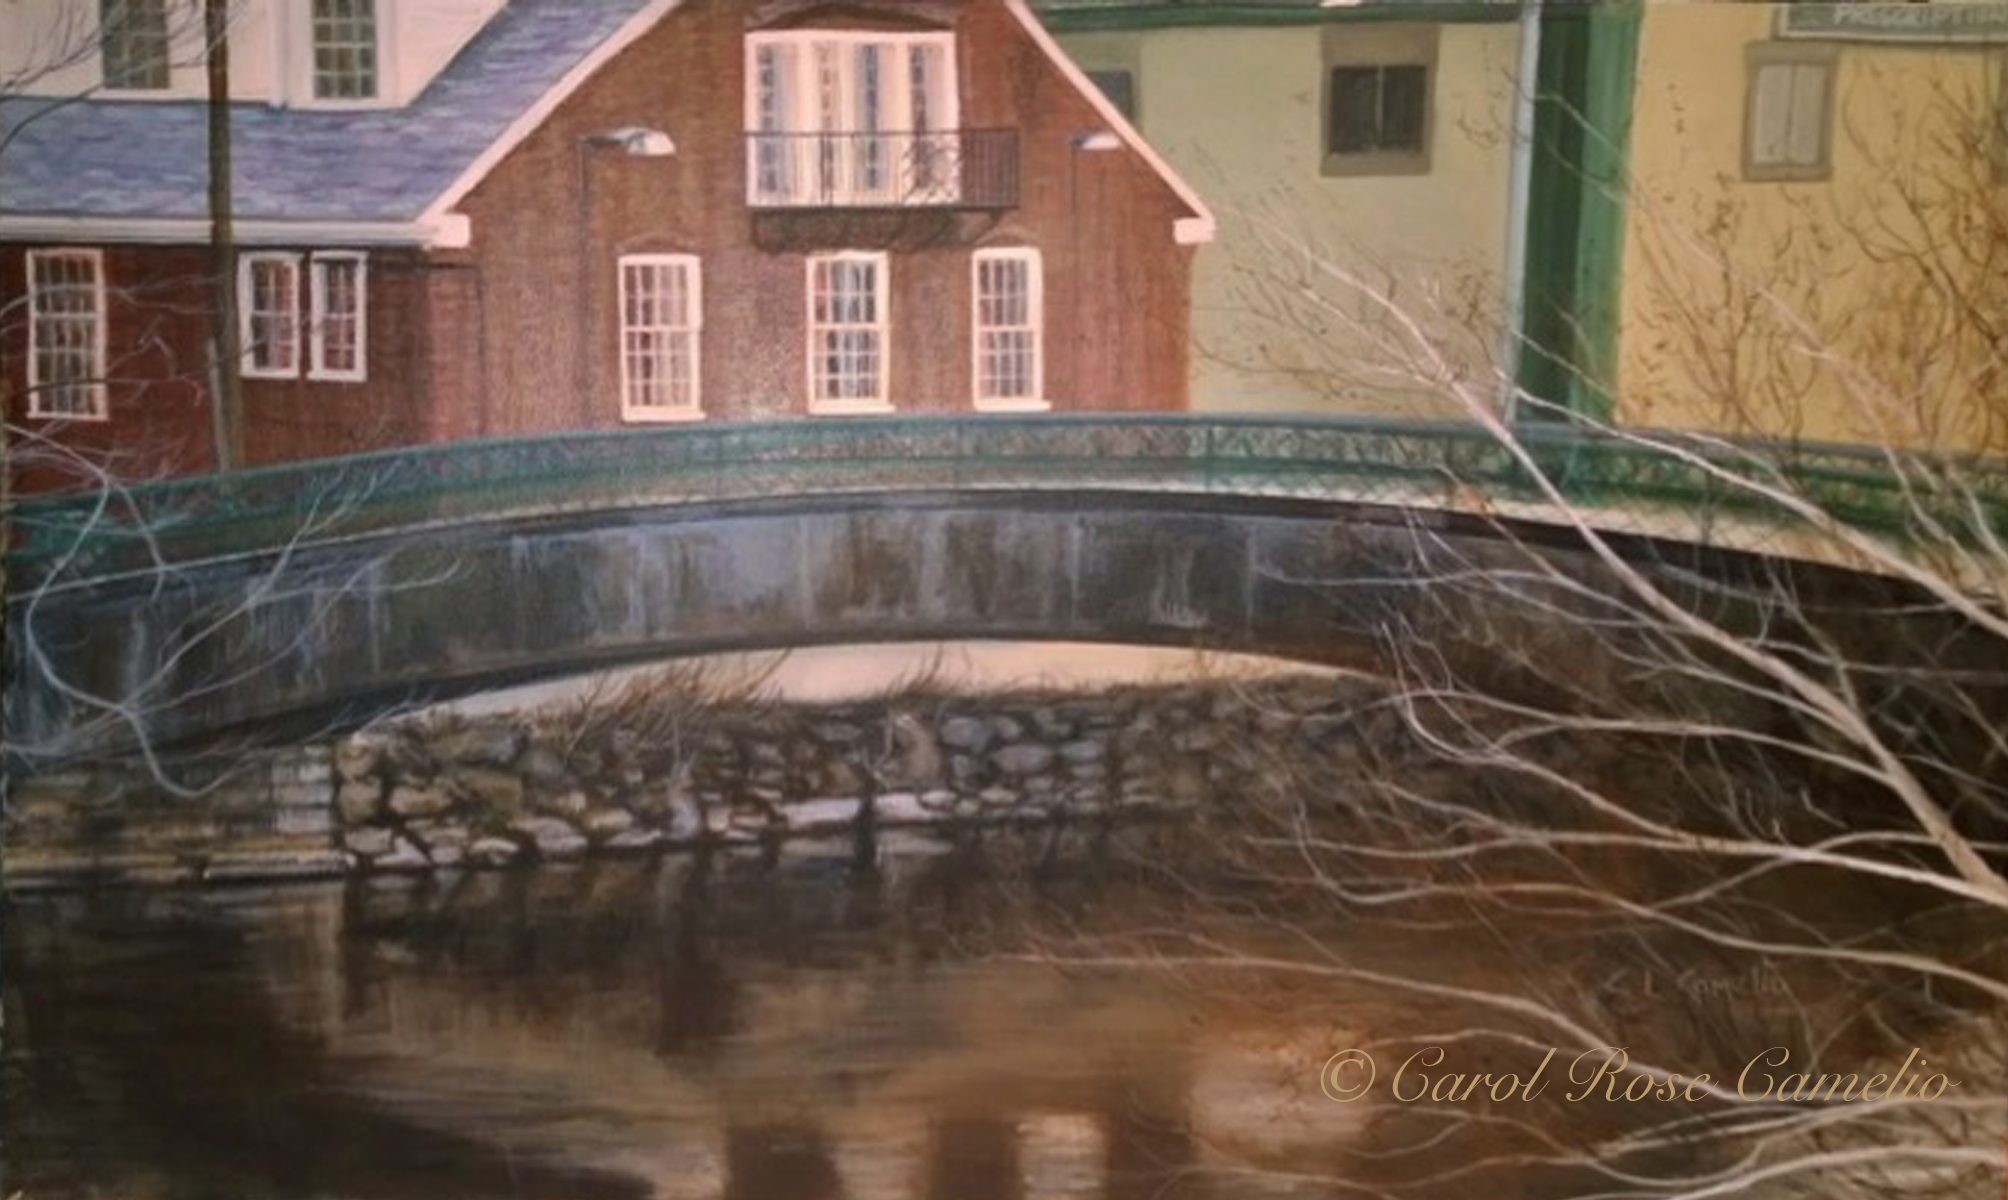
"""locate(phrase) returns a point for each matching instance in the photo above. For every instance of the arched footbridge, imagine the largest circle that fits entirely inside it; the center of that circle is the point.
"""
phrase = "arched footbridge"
(323, 592)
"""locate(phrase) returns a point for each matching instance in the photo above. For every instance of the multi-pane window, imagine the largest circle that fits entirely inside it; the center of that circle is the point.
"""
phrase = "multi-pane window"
(1378, 109)
(1377, 98)
(132, 40)
(662, 319)
(339, 326)
(847, 117)
(1787, 131)
(66, 334)
(1007, 306)
(345, 49)
(268, 304)
(847, 332)
(321, 322)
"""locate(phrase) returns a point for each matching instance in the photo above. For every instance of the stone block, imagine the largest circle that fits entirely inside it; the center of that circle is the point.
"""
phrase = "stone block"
(410, 800)
(905, 808)
(552, 838)
(1024, 758)
(367, 843)
(487, 745)
(821, 814)
(972, 734)
(609, 823)
(359, 801)
(636, 839)
(493, 789)
(493, 852)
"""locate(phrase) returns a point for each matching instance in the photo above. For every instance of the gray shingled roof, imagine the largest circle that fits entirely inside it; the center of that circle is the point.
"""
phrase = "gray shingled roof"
(103, 158)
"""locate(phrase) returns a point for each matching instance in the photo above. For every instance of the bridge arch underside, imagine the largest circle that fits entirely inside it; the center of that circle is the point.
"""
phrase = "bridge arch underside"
(331, 635)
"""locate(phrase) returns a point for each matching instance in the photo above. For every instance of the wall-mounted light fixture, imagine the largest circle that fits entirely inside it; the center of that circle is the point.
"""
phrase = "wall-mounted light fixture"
(1096, 141)
(635, 141)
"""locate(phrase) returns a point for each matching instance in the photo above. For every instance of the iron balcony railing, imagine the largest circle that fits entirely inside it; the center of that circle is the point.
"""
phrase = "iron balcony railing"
(1629, 484)
(953, 168)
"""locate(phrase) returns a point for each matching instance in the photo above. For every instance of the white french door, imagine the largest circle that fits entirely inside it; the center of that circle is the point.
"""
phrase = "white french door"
(842, 118)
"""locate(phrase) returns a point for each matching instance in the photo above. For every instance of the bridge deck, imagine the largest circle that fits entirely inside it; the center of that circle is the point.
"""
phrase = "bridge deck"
(1733, 494)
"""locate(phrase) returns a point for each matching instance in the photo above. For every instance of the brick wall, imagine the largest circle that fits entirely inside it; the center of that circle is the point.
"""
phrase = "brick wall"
(1115, 281)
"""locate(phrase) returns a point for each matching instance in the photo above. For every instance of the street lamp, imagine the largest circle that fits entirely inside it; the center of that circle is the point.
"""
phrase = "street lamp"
(634, 141)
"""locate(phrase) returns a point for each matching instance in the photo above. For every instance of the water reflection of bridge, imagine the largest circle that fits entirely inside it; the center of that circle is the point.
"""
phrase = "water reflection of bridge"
(736, 1031)
(816, 1041)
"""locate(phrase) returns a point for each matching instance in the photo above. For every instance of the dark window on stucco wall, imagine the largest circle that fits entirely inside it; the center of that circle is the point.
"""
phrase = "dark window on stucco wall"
(1378, 109)
(1119, 87)
(1376, 98)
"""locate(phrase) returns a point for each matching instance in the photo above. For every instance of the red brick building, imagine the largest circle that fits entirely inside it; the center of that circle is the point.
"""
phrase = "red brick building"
(565, 215)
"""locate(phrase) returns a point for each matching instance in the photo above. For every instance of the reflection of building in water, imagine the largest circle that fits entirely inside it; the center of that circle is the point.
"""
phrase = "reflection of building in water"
(661, 1019)
(678, 1030)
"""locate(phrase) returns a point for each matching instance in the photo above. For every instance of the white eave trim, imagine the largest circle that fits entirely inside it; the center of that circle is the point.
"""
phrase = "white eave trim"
(1186, 231)
(531, 118)
(447, 233)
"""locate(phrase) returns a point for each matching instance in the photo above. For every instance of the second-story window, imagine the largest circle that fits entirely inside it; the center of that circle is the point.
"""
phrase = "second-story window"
(843, 117)
(132, 40)
(345, 49)
(1378, 109)
(1788, 120)
(1377, 98)
(847, 332)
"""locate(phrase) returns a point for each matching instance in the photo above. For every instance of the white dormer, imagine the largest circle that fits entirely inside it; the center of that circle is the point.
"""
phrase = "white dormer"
(292, 53)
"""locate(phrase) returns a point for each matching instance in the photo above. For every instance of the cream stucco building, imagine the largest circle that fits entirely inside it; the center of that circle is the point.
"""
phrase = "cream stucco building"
(1373, 141)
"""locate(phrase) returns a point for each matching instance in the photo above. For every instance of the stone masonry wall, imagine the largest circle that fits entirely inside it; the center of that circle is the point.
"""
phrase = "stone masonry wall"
(648, 772)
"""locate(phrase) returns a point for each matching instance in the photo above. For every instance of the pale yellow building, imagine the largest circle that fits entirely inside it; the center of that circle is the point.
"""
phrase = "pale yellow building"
(1816, 239)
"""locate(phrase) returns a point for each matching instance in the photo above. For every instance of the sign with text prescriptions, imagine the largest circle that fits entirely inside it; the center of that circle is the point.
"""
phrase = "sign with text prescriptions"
(1954, 21)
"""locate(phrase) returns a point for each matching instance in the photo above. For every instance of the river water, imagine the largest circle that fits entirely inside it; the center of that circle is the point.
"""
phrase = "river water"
(1060, 1014)
(915, 1019)
(759, 1029)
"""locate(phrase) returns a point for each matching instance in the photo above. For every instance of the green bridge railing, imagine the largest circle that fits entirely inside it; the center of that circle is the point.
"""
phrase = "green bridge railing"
(80, 536)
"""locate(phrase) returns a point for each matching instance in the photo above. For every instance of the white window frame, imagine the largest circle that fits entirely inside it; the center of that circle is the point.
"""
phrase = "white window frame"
(118, 87)
(99, 409)
(1035, 312)
(862, 405)
(317, 315)
(247, 341)
(803, 115)
(693, 329)
(301, 35)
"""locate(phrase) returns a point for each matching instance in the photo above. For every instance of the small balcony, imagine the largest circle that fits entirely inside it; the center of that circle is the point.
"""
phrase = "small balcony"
(966, 170)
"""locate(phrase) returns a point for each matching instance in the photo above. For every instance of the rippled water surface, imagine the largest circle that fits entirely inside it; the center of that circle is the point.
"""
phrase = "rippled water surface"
(779, 1029)
(981, 1020)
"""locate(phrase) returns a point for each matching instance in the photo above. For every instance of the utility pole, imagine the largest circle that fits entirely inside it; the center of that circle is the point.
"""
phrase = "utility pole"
(226, 390)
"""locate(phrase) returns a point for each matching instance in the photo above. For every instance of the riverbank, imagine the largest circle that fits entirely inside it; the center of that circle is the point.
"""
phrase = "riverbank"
(677, 758)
